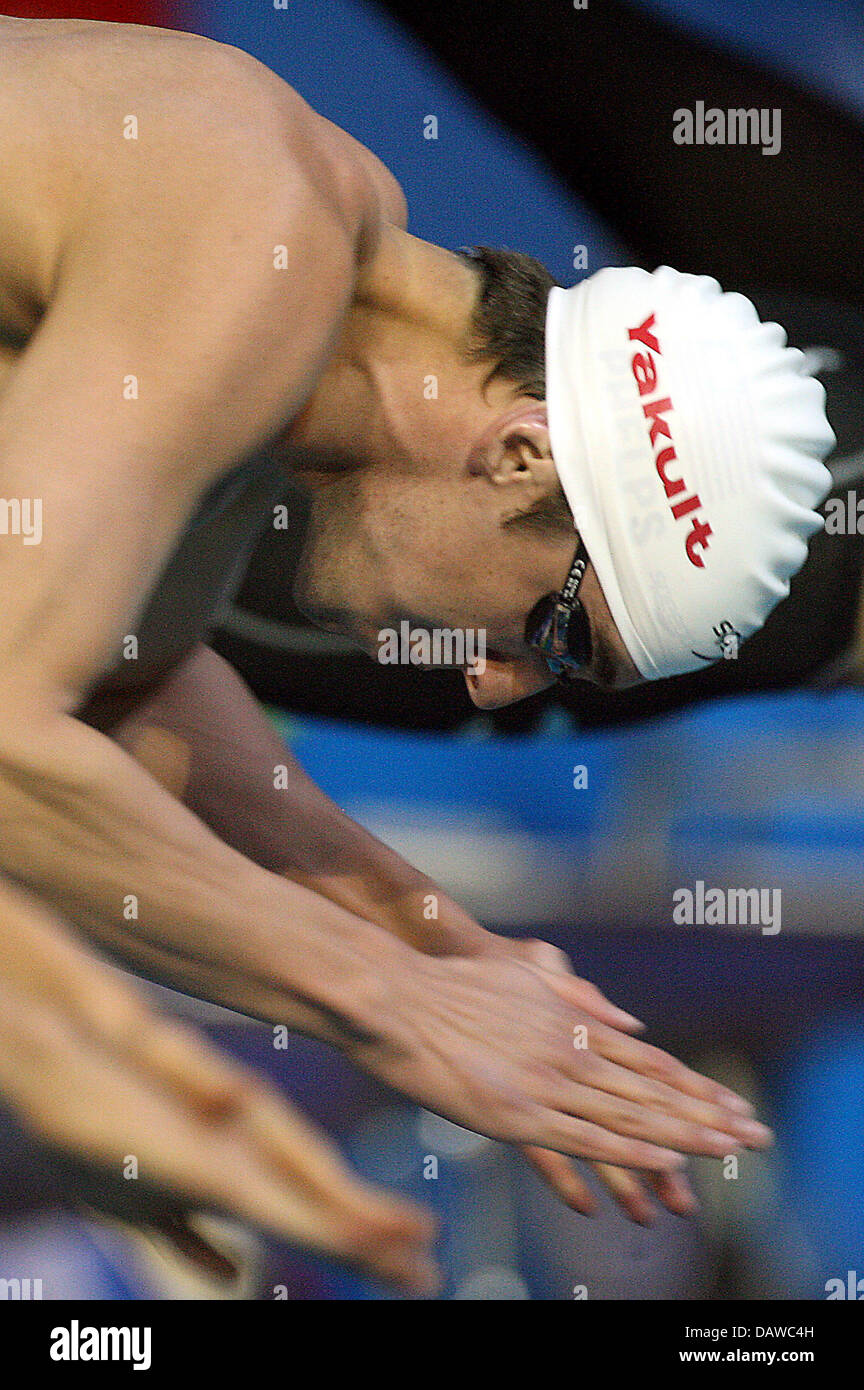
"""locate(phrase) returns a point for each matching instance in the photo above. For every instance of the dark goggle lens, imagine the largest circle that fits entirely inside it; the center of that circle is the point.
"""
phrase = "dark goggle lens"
(561, 632)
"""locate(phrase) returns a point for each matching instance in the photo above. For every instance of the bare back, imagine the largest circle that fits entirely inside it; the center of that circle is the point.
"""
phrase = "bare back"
(69, 93)
(149, 181)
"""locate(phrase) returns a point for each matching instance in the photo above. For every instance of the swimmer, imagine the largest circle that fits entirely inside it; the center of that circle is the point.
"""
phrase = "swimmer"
(206, 287)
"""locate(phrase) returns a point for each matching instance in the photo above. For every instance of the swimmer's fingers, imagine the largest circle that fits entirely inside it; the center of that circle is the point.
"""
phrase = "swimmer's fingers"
(558, 972)
(224, 1090)
(93, 1070)
(587, 997)
(628, 1189)
(559, 1173)
(554, 967)
(675, 1192)
(255, 1159)
(384, 1233)
(649, 1076)
(395, 1234)
(177, 1228)
(180, 1230)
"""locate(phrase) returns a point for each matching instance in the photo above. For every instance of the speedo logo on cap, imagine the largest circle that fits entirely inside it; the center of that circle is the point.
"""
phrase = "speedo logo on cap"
(644, 368)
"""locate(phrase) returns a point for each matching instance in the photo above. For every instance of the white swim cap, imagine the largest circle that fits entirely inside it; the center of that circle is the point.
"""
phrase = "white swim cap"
(689, 440)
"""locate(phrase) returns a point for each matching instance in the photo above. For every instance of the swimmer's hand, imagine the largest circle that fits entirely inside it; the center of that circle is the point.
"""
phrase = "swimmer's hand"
(632, 1191)
(517, 1052)
(91, 1070)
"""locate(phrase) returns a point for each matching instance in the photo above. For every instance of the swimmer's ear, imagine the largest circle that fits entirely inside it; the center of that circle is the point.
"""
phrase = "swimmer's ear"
(516, 450)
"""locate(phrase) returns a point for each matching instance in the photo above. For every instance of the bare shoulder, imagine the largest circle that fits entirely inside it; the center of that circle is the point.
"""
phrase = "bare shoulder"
(168, 203)
(74, 75)
(141, 127)
(367, 167)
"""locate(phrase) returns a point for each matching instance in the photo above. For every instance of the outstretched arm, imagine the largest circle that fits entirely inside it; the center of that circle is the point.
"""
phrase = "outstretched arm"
(205, 736)
(90, 1069)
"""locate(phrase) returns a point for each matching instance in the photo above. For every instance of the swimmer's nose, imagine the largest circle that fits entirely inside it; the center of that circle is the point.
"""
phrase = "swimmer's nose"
(502, 682)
